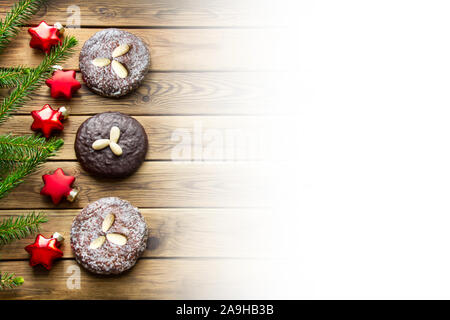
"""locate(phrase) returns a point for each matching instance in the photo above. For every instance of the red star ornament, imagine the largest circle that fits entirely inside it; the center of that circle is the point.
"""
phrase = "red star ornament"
(63, 84)
(47, 120)
(43, 251)
(44, 37)
(58, 185)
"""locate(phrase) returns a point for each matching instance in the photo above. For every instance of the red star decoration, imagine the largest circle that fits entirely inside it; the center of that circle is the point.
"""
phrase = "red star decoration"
(44, 37)
(57, 185)
(43, 251)
(63, 84)
(47, 120)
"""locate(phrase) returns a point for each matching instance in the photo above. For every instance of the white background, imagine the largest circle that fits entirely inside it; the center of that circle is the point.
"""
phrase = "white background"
(367, 182)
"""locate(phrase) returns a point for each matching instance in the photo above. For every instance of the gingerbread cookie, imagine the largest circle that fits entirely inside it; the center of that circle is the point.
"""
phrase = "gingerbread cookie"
(114, 62)
(108, 236)
(111, 145)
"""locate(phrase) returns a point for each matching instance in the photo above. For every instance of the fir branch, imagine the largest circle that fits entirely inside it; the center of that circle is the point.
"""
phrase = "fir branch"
(18, 15)
(10, 281)
(22, 226)
(11, 77)
(21, 148)
(35, 78)
(20, 156)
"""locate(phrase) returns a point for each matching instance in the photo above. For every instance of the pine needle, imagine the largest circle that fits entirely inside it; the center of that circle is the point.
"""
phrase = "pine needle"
(22, 155)
(21, 148)
(11, 77)
(16, 17)
(20, 227)
(31, 81)
(9, 281)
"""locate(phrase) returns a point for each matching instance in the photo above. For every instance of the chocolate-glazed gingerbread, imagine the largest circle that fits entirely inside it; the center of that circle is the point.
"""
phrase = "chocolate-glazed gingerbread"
(106, 256)
(105, 161)
(114, 48)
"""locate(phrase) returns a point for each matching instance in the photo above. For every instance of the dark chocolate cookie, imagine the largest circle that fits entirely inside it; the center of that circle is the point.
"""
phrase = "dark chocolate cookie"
(108, 236)
(111, 145)
(114, 62)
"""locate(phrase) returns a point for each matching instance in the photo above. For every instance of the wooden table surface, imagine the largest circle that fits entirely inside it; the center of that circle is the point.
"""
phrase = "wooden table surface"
(205, 75)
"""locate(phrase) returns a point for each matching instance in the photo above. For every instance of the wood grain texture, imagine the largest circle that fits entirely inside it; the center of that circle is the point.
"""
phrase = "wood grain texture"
(217, 138)
(205, 93)
(177, 49)
(214, 13)
(149, 279)
(155, 184)
(173, 232)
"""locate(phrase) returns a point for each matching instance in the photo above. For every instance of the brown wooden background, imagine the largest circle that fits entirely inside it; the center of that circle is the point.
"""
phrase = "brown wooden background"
(201, 212)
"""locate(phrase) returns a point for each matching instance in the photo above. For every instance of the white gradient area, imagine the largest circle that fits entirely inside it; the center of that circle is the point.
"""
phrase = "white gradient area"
(367, 174)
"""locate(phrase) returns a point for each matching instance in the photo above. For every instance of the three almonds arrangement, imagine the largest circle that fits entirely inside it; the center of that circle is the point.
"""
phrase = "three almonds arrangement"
(117, 67)
(115, 238)
(114, 136)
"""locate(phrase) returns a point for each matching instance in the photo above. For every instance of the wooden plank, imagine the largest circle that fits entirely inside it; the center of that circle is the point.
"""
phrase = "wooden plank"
(149, 279)
(217, 138)
(178, 49)
(154, 13)
(156, 184)
(173, 232)
(175, 94)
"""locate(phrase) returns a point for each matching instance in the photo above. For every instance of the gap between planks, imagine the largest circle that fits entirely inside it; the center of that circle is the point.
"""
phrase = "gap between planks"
(171, 27)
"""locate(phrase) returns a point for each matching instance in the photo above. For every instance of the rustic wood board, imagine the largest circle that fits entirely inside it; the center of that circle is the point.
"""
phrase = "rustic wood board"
(161, 13)
(155, 184)
(173, 232)
(193, 93)
(167, 134)
(149, 279)
(177, 49)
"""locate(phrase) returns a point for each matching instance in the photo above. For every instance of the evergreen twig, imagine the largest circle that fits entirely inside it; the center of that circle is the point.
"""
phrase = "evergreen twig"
(9, 281)
(35, 78)
(20, 227)
(20, 156)
(18, 15)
